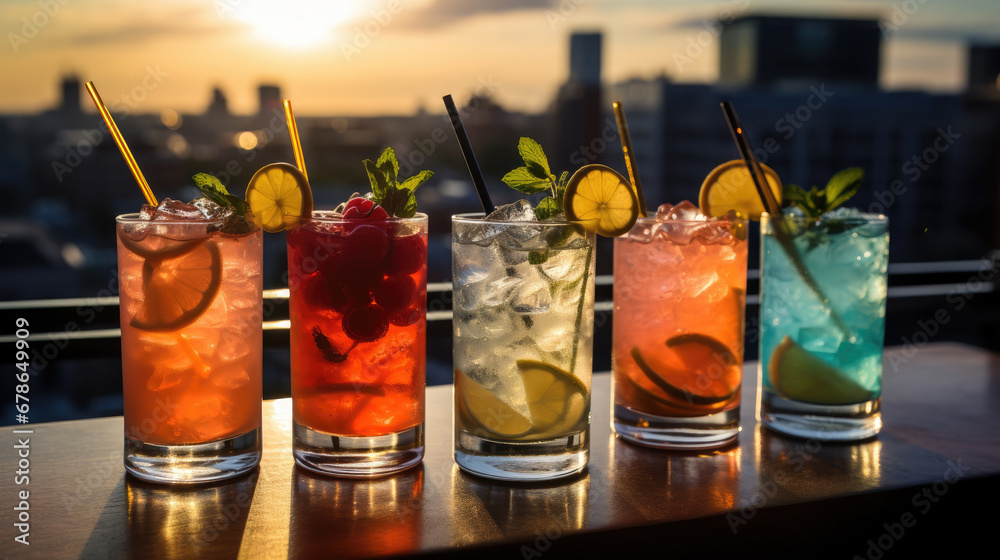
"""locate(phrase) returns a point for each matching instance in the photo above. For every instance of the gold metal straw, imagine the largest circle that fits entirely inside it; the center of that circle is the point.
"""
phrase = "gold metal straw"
(293, 132)
(122, 146)
(633, 173)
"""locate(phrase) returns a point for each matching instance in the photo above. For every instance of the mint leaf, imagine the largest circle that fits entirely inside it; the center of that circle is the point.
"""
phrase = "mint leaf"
(213, 189)
(410, 208)
(411, 183)
(523, 180)
(793, 193)
(388, 164)
(546, 208)
(842, 186)
(534, 157)
(378, 180)
(537, 257)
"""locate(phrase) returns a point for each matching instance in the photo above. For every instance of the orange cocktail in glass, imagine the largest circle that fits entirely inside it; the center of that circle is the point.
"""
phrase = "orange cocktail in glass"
(191, 344)
(679, 294)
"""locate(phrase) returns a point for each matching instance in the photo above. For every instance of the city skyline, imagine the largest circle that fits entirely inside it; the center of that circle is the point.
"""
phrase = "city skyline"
(339, 59)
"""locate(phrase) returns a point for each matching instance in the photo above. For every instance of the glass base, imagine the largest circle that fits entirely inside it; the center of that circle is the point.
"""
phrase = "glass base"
(524, 461)
(698, 432)
(193, 463)
(357, 457)
(845, 422)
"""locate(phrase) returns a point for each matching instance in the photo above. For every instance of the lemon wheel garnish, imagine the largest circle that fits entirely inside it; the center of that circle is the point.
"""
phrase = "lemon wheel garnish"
(279, 196)
(488, 411)
(601, 200)
(556, 398)
(177, 291)
(796, 373)
(729, 187)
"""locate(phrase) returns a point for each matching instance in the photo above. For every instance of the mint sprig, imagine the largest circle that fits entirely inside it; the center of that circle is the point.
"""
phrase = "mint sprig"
(213, 189)
(535, 176)
(396, 198)
(815, 202)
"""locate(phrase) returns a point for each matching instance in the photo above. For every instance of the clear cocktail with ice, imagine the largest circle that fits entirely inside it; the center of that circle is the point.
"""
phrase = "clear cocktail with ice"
(190, 287)
(523, 344)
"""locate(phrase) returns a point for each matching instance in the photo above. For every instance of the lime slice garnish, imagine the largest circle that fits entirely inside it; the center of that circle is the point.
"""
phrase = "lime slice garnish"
(601, 200)
(795, 373)
(279, 196)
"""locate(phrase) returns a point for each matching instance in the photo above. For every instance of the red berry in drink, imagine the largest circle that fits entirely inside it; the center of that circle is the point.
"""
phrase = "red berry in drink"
(365, 324)
(407, 255)
(395, 292)
(405, 317)
(363, 209)
(366, 246)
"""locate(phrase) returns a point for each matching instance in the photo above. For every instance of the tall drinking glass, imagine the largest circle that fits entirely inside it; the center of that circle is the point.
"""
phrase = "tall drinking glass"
(523, 346)
(191, 304)
(822, 324)
(680, 295)
(358, 307)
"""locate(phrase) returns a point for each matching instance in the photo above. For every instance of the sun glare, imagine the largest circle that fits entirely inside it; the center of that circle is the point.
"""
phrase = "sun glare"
(295, 24)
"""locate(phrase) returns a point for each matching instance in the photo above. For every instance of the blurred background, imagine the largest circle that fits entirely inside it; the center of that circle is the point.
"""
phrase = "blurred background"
(909, 90)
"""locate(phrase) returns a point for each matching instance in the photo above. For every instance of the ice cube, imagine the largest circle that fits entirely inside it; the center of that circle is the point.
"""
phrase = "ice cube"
(231, 347)
(167, 374)
(208, 208)
(488, 325)
(229, 377)
(483, 234)
(531, 298)
(708, 286)
(686, 210)
(821, 339)
(170, 209)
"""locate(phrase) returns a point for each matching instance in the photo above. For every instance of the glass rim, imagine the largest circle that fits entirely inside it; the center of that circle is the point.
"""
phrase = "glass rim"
(480, 217)
(864, 218)
(332, 216)
(133, 218)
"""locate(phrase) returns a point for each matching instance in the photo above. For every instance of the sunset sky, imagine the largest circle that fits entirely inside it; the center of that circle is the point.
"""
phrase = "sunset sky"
(369, 57)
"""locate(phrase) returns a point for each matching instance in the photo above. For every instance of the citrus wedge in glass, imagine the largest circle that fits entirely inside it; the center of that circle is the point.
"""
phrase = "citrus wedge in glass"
(729, 187)
(488, 411)
(599, 199)
(279, 196)
(797, 374)
(178, 290)
(556, 398)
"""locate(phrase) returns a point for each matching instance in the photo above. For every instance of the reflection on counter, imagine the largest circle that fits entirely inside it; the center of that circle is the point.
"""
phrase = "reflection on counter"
(188, 521)
(656, 482)
(808, 467)
(539, 512)
(347, 518)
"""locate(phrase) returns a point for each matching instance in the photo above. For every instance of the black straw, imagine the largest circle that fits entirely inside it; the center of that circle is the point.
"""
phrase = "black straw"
(746, 150)
(470, 156)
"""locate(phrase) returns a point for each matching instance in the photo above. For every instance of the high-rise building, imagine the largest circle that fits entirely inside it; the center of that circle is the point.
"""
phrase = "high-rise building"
(984, 68)
(270, 99)
(585, 58)
(776, 50)
(578, 106)
(218, 106)
(69, 101)
(808, 123)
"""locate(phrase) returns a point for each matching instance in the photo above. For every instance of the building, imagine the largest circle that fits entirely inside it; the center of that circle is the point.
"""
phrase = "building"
(576, 112)
(775, 50)
(808, 123)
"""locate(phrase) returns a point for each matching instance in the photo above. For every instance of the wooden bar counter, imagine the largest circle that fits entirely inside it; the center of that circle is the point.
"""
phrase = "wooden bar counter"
(926, 484)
